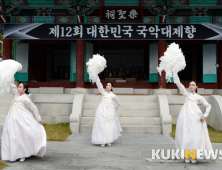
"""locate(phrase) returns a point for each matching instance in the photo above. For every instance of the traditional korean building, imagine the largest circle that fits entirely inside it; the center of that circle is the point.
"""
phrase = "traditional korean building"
(130, 63)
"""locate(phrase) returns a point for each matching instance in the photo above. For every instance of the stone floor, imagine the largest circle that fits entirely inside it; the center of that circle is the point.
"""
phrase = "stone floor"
(130, 151)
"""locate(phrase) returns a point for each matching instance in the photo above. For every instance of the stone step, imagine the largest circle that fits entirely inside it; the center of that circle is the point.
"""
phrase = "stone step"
(51, 90)
(4, 110)
(126, 105)
(123, 98)
(126, 120)
(2, 118)
(5, 103)
(125, 113)
(9, 97)
(1, 127)
(129, 129)
(128, 91)
(53, 98)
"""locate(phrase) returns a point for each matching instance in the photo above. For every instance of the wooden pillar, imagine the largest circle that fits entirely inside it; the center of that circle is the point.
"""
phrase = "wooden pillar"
(80, 46)
(162, 44)
(194, 66)
(219, 61)
(7, 49)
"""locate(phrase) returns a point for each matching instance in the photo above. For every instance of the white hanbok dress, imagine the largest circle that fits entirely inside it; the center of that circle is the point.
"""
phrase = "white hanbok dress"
(106, 127)
(191, 133)
(22, 135)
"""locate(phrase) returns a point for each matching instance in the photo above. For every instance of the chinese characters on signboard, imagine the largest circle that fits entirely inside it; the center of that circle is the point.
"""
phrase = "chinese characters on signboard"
(121, 14)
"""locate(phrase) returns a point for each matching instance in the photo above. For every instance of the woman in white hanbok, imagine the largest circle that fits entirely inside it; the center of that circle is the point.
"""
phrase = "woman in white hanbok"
(23, 135)
(191, 127)
(106, 127)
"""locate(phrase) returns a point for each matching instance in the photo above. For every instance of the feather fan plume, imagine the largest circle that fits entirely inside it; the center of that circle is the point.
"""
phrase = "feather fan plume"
(7, 70)
(173, 60)
(95, 66)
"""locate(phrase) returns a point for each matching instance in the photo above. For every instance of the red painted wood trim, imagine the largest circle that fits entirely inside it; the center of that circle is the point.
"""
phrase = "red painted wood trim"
(135, 85)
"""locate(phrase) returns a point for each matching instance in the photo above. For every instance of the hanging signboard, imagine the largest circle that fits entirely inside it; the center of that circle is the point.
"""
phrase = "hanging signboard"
(113, 31)
(121, 14)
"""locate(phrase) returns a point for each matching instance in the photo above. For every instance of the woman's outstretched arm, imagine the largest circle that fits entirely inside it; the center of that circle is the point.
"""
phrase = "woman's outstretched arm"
(181, 87)
(33, 108)
(117, 102)
(100, 86)
(14, 89)
(207, 105)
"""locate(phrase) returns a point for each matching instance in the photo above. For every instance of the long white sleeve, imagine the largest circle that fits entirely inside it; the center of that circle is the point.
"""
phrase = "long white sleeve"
(207, 105)
(33, 108)
(181, 87)
(100, 86)
(117, 102)
(14, 89)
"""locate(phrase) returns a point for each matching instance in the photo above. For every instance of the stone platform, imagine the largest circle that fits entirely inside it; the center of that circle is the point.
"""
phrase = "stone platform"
(129, 152)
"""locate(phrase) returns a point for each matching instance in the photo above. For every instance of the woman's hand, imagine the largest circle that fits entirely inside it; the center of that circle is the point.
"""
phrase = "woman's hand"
(41, 122)
(203, 119)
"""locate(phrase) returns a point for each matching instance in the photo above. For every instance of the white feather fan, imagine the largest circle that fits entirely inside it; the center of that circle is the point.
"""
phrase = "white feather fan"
(95, 66)
(7, 70)
(173, 60)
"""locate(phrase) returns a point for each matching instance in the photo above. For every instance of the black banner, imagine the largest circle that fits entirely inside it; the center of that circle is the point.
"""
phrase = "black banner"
(121, 14)
(113, 31)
